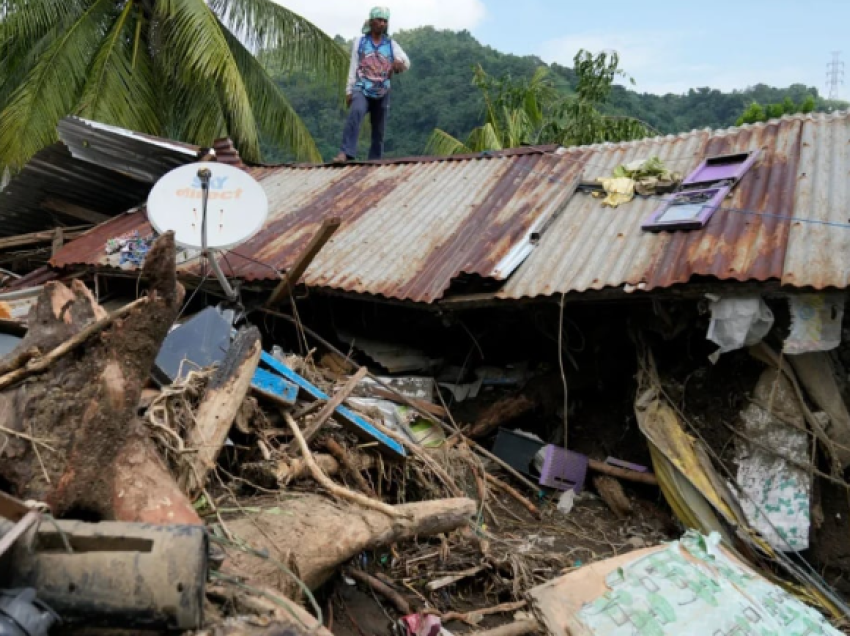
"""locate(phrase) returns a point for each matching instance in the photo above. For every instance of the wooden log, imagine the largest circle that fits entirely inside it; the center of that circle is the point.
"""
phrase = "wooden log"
(622, 473)
(499, 413)
(329, 408)
(322, 534)
(218, 409)
(612, 494)
(80, 406)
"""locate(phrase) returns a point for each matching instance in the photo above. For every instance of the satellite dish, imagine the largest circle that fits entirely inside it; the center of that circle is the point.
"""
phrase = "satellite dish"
(236, 208)
(210, 206)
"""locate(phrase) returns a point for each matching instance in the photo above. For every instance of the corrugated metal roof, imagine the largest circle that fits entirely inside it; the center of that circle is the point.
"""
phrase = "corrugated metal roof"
(143, 157)
(408, 229)
(102, 169)
(412, 226)
(592, 247)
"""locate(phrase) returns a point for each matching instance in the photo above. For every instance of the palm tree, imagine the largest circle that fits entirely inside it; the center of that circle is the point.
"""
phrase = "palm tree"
(513, 114)
(186, 69)
(521, 113)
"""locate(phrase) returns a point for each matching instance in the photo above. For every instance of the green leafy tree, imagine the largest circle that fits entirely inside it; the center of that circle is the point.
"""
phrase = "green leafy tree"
(755, 112)
(513, 114)
(182, 68)
(519, 112)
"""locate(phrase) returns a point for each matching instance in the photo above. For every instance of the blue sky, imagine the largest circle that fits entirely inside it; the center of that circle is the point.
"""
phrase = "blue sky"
(666, 46)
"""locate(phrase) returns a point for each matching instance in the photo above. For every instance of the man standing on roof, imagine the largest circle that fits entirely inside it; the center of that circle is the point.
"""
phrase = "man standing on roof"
(375, 58)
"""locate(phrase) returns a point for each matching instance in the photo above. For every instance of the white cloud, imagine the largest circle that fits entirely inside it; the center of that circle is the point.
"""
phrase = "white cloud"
(345, 17)
(664, 62)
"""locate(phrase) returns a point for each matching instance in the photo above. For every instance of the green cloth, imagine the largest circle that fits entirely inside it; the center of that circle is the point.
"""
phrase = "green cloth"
(382, 13)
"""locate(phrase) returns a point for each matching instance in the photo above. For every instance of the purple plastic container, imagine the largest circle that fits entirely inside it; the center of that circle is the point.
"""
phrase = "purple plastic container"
(563, 469)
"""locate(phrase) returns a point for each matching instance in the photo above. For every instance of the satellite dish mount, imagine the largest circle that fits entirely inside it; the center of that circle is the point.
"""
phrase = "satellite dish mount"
(204, 176)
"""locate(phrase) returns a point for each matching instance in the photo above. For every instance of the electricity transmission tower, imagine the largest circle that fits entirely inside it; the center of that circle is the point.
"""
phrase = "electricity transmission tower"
(835, 75)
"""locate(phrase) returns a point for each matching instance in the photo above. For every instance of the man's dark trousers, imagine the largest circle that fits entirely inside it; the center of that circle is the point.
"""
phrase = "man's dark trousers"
(378, 110)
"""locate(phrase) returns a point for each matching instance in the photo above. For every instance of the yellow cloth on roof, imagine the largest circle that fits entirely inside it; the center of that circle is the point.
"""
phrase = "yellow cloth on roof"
(619, 190)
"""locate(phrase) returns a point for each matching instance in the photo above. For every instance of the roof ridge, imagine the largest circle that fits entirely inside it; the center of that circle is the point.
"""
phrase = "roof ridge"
(607, 145)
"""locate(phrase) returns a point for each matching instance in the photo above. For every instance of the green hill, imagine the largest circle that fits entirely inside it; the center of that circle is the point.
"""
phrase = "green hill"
(437, 93)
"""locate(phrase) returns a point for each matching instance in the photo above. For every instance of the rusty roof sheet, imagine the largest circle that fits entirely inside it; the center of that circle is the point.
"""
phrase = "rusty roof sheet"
(410, 227)
(802, 173)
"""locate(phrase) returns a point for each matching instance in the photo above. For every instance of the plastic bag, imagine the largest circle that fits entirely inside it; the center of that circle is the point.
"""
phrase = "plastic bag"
(738, 323)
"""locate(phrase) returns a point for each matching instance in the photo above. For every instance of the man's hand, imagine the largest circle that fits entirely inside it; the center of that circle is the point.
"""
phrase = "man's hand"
(398, 67)
(348, 101)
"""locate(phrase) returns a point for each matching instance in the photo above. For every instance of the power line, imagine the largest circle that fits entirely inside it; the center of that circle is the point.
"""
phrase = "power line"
(835, 76)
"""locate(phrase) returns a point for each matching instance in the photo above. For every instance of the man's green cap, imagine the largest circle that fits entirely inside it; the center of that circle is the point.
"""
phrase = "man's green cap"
(382, 13)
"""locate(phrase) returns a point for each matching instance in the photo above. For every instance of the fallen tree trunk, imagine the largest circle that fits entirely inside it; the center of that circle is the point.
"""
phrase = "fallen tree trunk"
(68, 425)
(320, 535)
(501, 412)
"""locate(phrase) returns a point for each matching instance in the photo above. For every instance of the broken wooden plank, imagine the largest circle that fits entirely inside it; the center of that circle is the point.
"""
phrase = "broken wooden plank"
(349, 418)
(329, 408)
(445, 581)
(58, 241)
(45, 236)
(622, 473)
(274, 387)
(221, 403)
(291, 277)
(434, 409)
(77, 211)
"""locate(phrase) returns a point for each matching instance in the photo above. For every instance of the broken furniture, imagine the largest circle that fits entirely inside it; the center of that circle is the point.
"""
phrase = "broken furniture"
(113, 574)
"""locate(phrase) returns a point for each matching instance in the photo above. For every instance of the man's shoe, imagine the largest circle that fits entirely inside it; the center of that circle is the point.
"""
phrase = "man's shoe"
(340, 158)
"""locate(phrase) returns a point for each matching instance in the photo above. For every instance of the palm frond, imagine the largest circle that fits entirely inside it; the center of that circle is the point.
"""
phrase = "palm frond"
(25, 21)
(484, 138)
(287, 40)
(443, 144)
(274, 114)
(195, 52)
(50, 90)
(120, 88)
(27, 29)
(194, 113)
